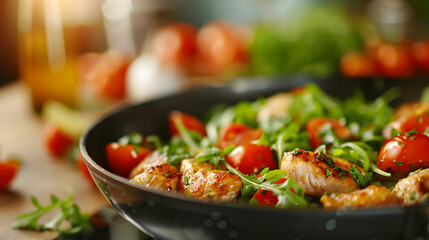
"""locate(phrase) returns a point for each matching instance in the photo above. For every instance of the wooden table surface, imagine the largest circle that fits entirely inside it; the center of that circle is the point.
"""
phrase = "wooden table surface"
(40, 175)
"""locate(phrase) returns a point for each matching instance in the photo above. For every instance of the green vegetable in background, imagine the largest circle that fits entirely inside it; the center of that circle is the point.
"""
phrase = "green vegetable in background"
(313, 44)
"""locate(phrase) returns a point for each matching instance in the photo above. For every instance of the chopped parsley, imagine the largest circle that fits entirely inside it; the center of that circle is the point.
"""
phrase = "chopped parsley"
(399, 163)
(413, 196)
(327, 172)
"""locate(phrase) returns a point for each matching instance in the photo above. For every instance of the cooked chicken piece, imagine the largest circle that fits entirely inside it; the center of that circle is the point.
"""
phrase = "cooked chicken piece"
(318, 173)
(275, 106)
(154, 159)
(371, 196)
(413, 189)
(200, 180)
(161, 177)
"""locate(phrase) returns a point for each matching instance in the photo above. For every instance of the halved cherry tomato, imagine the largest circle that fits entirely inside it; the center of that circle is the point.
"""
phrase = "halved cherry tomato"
(404, 153)
(238, 134)
(176, 43)
(123, 158)
(251, 158)
(57, 142)
(418, 120)
(314, 126)
(107, 76)
(83, 169)
(8, 171)
(420, 52)
(266, 197)
(355, 64)
(394, 60)
(190, 122)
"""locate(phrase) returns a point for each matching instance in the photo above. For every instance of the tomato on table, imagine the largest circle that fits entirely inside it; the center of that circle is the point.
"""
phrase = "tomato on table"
(57, 142)
(123, 158)
(106, 78)
(404, 153)
(236, 134)
(175, 43)
(315, 125)
(252, 158)
(8, 171)
(420, 53)
(190, 122)
(394, 60)
(266, 197)
(355, 64)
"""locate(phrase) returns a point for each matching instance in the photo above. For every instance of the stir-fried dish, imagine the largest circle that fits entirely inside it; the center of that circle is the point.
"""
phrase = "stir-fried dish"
(298, 149)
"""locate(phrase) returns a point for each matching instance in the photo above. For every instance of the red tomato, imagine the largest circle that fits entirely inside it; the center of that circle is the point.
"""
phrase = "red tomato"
(190, 122)
(266, 197)
(356, 64)
(371, 46)
(8, 171)
(83, 169)
(394, 60)
(107, 76)
(123, 158)
(56, 141)
(314, 126)
(418, 120)
(251, 158)
(420, 52)
(238, 134)
(221, 43)
(403, 154)
(175, 43)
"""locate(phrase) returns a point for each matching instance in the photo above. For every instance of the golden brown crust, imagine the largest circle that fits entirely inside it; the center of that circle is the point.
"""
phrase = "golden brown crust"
(162, 177)
(317, 175)
(413, 189)
(154, 159)
(371, 196)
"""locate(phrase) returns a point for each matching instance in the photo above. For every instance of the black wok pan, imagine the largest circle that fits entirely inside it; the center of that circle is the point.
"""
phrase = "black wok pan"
(169, 216)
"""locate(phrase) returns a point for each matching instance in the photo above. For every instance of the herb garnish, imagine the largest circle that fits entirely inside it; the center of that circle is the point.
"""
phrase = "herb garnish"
(69, 212)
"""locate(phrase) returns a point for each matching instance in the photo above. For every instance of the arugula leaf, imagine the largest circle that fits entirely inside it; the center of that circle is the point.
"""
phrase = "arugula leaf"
(69, 212)
(187, 137)
(289, 193)
(361, 180)
(212, 155)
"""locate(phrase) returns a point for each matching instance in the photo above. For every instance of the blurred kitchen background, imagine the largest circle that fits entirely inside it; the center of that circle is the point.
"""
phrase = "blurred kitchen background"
(91, 54)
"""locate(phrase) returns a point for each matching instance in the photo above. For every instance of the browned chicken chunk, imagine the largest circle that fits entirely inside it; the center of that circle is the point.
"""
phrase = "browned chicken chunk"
(161, 177)
(413, 189)
(371, 196)
(154, 159)
(200, 180)
(318, 173)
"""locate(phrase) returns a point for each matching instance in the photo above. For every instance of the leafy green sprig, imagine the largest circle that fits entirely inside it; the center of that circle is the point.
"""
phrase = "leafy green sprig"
(68, 212)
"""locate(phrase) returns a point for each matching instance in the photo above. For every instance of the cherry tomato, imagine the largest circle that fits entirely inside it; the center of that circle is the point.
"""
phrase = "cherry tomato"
(176, 43)
(221, 43)
(106, 79)
(190, 122)
(57, 142)
(123, 158)
(8, 171)
(404, 153)
(356, 64)
(420, 52)
(314, 126)
(418, 120)
(371, 46)
(266, 197)
(83, 169)
(394, 60)
(251, 158)
(238, 134)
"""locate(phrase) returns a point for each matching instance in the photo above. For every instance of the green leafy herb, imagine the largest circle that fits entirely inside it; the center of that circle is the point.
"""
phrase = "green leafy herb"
(395, 132)
(187, 136)
(413, 196)
(411, 165)
(361, 180)
(399, 163)
(69, 212)
(289, 193)
(425, 95)
(414, 172)
(327, 172)
(155, 140)
(295, 151)
(264, 140)
(212, 155)
(186, 178)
